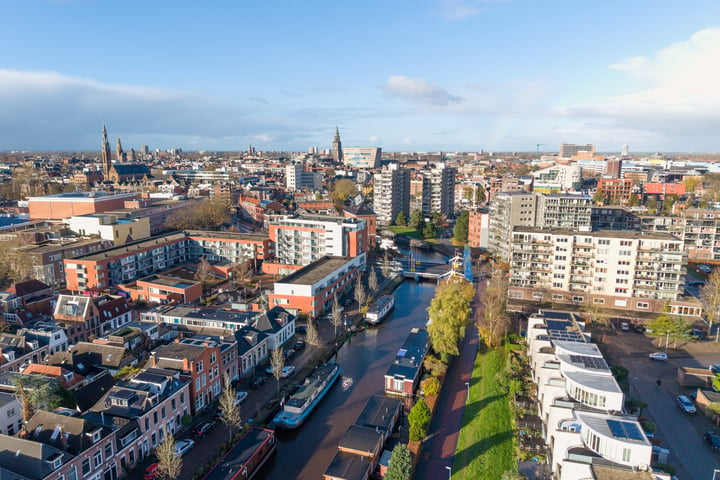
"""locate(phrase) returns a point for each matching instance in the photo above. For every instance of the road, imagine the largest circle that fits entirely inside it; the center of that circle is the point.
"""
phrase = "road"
(681, 433)
(439, 449)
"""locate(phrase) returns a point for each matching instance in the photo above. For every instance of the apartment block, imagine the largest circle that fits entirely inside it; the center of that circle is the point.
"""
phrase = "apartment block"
(579, 404)
(302, 239)
(507, 210)
(478, 228)
(699, 230)
(362, 157)
(437, 192)
(109, 227)
(614, 218)
(557, 178)
(64, 205)
(311, 289)
(48, 257)
(391, 194)
(615, 191)
(111, 267)
(296, 178)
(630, 271)
(564, 210)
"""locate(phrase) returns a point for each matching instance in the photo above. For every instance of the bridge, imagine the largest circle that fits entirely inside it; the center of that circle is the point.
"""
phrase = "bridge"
(425, 270)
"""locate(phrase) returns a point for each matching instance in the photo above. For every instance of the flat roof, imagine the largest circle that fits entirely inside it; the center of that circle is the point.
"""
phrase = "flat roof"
(410, 356)
(628, 234)
(379, 411)
(348, 466)
(169, 281)
(314, 272)
(80, 196)
(236, 458)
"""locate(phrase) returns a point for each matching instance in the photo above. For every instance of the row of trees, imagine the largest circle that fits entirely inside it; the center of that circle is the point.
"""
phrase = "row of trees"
(449, 316)
(208, 214)
(417, 221)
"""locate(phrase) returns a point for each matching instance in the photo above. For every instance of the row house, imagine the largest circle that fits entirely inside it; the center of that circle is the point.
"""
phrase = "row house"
(629, 271)
(199, 362)
(311, 289)
(580, 404)
(47, 334)
(30, 296)
(11, 420)
(200, 317)
(120, 265)
(17, 352)
(252, 346)
(87, 358)
(86, 317)
(141, 410)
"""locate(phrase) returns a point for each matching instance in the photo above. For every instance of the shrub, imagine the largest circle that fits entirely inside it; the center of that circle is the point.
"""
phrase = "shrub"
(432, 386)
(419, 419)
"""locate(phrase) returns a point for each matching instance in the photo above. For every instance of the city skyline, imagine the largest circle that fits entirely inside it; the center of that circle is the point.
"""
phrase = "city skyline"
(453, 75)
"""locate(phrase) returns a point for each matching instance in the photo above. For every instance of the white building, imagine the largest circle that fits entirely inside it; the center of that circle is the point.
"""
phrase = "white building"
(580, 403)
(110, 227)
(391, 194)
(362, 157)
(563, 177)
(296, 178)
(10, 414)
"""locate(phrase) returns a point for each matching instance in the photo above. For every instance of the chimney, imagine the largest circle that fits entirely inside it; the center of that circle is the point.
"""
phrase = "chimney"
(186, 364)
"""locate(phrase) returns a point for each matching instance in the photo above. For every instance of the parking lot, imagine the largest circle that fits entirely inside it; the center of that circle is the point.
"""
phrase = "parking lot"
(680, 432)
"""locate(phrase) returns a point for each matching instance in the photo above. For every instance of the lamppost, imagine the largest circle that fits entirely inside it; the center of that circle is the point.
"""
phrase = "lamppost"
(449, 469)
(467, 384)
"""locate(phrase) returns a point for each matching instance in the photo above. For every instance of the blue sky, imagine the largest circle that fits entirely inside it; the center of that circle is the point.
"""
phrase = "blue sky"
(423, 75)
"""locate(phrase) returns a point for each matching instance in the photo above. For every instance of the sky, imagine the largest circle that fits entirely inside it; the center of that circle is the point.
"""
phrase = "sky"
(405, 75)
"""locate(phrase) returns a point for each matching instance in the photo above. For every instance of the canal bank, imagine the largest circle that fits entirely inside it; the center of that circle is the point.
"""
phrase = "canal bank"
(305, 453)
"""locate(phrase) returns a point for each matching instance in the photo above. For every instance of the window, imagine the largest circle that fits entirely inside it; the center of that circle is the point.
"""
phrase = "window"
(603, 241)
(182, 398)
(199, 366)
(599, 301)
(72, 474)
(213, 357)
(162, 411)
(621, 290)
(578, 299)
(97, 458)
(557, 297)
(172, 404)
(626, 454)
(108, 450)
(643, 305)
(86, 466)
(197, 384)
(155, 417)
(557, 285)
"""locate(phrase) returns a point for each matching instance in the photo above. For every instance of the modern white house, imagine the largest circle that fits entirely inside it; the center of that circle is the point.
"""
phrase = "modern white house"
(580, 403)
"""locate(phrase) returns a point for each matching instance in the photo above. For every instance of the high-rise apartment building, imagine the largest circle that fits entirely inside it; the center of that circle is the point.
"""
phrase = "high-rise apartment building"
(391, 194)
(632, 271)
(296, 178)
(303, 239)
(440, 188)
(569, 150)
(564, 210)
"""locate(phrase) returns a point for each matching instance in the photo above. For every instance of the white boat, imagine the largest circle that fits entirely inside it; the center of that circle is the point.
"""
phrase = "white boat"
(300, 405)
(379, 310)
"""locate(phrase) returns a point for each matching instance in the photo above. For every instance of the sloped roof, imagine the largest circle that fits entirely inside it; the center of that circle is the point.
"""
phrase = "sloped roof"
(29, 287)
(26, 458)
(273, 320)
(89, 394)
(62, 432)
(132, 169)
(362, 210)
(53, 371)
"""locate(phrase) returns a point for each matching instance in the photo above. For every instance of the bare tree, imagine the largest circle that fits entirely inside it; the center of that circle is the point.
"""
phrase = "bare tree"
(710, 298)
(277, 363)
(494, 321)
(337, 315)
(203, 273)
(230, 409)
(169, 462)
(386, 266)
(312, 336)
(373, 280)
(360, 294)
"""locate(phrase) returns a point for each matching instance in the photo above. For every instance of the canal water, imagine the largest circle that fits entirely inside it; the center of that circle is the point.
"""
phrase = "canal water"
(305, 453)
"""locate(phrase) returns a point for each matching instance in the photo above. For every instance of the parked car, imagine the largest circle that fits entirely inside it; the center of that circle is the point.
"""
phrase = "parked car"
(203, 429)
(713, 439)
(289, 354)
(639, 328)
(183, 446)
(258, 382)
(287, 371)
(625, 327)
(151, 472)
(299, 345)
(347, 302)
(696, 283)
(301, 330)
(714, 368)
(705, 268)
(659, 356)
(240, 397)
(685, 404)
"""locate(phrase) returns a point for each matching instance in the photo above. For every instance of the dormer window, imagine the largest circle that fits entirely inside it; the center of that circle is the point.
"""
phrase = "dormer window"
(55, 461)
(68, 376)
(95, 435)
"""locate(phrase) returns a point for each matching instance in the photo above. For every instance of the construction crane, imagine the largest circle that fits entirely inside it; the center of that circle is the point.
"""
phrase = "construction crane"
(537, 146)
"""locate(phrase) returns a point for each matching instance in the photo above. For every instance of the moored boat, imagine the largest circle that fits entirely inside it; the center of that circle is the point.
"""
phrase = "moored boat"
(379, 310)
(301, 404)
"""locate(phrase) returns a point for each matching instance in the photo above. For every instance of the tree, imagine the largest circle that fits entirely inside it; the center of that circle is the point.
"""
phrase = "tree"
(401, 219)
(594, 313)
(449, 315)
(460, 232)
(336, 315)
(494, 321)
(651, 204)
(277, 363)
(434, 365)
(668, 203)
(416, 219)
(634, 200)
(36, 392)
(479, 194)
(169, 463)
(400, 465)
(230, 409)
(373, 280)
(344, 189)
(716, 382)
(207, 214)
(672, 326)
(360, 294)
(429, 231)
(512, 475)
(419, 419)
(691, 184)
(431, 386)
(203, 273)
(710, 298)
(311, 336)
(386, 269)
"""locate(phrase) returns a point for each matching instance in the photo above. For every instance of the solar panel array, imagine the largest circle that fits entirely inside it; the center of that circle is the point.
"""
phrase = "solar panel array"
(627, 430)
(597, 363)
(563, 331)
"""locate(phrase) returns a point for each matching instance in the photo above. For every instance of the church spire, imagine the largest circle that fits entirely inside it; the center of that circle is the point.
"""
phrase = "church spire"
(337, 152)
(105, 152)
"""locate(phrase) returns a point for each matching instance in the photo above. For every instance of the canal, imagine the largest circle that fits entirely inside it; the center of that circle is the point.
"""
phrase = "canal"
(305, 453)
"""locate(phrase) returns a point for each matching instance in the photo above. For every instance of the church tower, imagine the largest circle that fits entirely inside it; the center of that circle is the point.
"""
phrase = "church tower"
(118, 151)
(337, 152)
(105, 153)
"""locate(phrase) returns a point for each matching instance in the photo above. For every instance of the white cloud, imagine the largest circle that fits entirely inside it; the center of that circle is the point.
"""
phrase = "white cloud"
(677, 99)
(455, 10)
(418, 90)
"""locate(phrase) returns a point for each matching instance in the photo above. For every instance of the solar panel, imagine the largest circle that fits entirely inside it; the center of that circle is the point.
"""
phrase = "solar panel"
(627, 430)
(589, 362)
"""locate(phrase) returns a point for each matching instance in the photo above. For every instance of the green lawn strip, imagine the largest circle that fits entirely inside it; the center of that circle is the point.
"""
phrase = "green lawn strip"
(409, 231)
(486, 442)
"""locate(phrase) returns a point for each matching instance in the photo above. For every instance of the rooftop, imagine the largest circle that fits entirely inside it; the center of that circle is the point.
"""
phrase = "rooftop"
(410, 357)
(316, 271)
(624, 234)
(240, 455)
(82, 196)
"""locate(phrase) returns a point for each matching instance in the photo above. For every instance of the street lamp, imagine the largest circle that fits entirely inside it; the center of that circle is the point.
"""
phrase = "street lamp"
(449, 469)
(467, 384)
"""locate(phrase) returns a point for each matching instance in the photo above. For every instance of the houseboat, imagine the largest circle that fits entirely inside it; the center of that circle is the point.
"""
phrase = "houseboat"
(301, 404)
(379, 310)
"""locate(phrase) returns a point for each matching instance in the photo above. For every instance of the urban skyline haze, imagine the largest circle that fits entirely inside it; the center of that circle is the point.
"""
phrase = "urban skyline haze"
(405, 75)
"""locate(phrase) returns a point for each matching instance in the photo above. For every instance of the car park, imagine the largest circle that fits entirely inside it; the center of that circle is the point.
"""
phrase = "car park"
(287, 371)
(659, 356)
(183, 446)
(713, 439)
(240, 397)
(203, 429)
(151, 472)
(685, 404)
(258, 382)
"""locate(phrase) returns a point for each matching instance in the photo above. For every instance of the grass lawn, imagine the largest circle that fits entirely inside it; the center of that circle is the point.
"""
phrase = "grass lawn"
(409, 231)
(486, 443)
